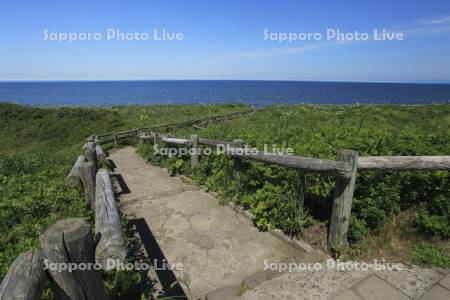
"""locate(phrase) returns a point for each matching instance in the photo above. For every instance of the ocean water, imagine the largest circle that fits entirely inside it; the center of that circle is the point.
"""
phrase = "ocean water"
(258, 93)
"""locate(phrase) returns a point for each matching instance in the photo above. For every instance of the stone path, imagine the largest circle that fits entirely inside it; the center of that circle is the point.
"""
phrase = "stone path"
(216, 246)
(224, 255)
(408, 283)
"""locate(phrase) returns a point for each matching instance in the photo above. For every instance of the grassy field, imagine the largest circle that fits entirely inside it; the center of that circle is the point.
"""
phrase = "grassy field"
(38, 147)
(396, 215)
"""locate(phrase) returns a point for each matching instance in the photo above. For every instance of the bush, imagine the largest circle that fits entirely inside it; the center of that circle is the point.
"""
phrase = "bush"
(426, 254)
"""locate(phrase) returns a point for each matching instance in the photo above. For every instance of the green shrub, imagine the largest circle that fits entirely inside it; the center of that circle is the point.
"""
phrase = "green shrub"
(426, 254)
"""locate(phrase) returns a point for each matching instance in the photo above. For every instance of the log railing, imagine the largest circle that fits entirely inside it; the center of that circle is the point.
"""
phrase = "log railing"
(69, 242)
(344, 169)
(197, 123)
(26, 277)
(66, 261)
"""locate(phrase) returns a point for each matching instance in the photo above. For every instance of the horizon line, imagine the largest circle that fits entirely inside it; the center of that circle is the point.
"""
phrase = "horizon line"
(200, 79)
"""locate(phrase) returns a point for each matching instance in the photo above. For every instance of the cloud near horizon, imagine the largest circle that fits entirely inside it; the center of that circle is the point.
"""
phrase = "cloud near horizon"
(262, 53)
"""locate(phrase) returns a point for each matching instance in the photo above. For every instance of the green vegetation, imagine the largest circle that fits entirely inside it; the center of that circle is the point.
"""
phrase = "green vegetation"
(293, 201)
(38, 147)
(426, 253)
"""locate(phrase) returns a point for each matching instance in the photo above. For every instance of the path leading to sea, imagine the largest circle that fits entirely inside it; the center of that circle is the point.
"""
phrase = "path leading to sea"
(223, 255)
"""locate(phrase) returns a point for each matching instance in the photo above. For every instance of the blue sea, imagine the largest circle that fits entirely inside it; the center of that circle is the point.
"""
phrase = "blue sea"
(258, 93)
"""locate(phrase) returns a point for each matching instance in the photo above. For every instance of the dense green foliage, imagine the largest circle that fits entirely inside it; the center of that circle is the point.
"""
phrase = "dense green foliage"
(23, 126)
(38, 147)
(33, 196)
(425, 253)
(272, 193)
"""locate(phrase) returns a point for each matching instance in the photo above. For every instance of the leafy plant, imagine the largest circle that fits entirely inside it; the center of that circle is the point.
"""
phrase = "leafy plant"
(427, 254)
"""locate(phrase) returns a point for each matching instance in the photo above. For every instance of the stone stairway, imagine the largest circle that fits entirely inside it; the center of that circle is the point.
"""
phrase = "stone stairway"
(223, 256)
(216, 246)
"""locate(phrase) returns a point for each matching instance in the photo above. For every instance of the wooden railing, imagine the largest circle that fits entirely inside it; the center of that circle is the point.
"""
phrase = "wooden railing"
(69, 241)
(344, 169)
(197, 123)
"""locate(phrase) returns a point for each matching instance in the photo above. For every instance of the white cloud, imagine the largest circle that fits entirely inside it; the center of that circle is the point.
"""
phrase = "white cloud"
(254, 54)
(435, 21)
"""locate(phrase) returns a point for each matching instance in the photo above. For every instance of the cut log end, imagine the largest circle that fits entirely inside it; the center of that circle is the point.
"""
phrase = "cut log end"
(74, 177)
(26, 277)
(70, 242)
(110, 255)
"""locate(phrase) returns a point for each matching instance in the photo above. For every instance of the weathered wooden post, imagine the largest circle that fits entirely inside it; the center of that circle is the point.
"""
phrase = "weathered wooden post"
(195, 150)
(102, 161)
(108, 229)
(156, 143)
(238, 164)
(88, 178)
(134, 132)
(342, 205)
(115, 138)
(74, 177)
(68, 248)
(100, 154)
(26, 277)
(89, 152)
(91, 138)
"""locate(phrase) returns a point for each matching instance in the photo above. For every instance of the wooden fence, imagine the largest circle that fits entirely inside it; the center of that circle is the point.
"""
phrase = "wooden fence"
(198, 123)
(344, 169)
(68, 244)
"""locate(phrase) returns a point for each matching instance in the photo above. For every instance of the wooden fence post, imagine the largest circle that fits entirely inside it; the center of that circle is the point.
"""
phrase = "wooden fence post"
(65, 244)
(156, 144)
(102, 161)
(115, 138)
(195, 150)
(89, 152)
(26, 277)
(135, 131)
(91, 138)
(74, 177)
(88, 178)
(238, 164)
(100, 154)
(342, 205)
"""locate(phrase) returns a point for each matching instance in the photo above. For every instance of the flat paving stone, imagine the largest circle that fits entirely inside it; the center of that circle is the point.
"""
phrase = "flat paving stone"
(411, 281)
(374, 288)
(436, 293)
(259, 277)
(445, 282)
(347, 295)
(305, 285)
(225, 293)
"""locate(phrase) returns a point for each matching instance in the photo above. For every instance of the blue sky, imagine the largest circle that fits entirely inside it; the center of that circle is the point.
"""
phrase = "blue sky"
(225, 40)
